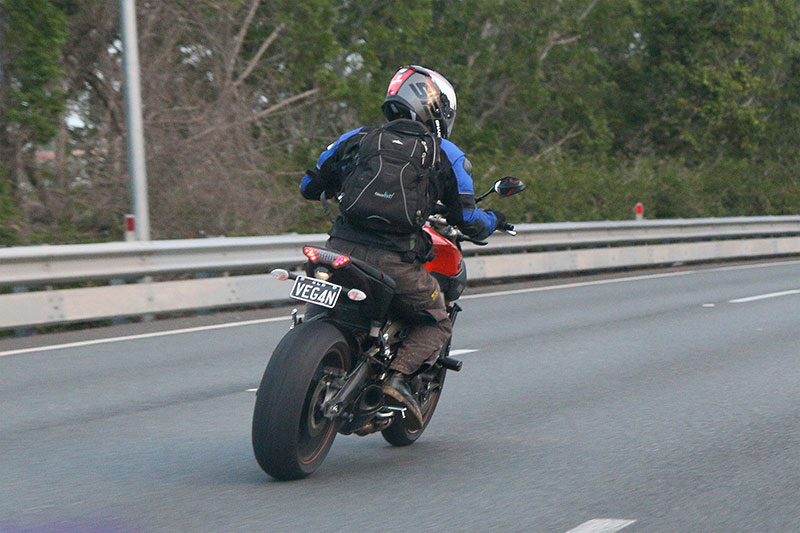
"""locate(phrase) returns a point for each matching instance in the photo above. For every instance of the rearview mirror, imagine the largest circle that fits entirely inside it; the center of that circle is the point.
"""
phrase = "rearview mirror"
(508, 186)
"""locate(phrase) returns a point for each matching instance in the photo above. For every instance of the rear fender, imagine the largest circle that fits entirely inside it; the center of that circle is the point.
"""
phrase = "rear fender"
(317, 327)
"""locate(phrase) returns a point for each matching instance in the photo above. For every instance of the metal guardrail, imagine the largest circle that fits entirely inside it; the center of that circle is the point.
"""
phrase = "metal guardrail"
(537, 249)
(50, 265)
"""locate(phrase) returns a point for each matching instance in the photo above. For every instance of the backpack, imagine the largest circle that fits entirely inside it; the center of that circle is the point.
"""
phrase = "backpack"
(389, 184)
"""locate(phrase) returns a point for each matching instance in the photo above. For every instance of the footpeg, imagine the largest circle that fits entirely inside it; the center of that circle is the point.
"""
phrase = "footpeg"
(401, 410)
(451, 364)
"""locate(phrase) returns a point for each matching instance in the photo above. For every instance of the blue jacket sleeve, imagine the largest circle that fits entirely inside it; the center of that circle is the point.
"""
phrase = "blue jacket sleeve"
(326, 176)
(474, 222)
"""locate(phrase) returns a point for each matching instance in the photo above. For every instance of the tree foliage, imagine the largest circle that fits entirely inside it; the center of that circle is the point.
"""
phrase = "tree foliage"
(689, 106)
(32, 100)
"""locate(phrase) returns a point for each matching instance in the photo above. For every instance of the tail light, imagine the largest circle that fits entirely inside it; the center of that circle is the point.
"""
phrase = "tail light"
(311, 253)
(341, 261)
(315, 255)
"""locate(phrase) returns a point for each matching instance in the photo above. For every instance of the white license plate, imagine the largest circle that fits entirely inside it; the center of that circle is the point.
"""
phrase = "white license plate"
(315, 291)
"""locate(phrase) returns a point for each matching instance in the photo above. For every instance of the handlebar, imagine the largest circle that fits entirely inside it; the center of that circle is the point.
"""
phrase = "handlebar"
(437, 219)
(509, 228)
(460, 237)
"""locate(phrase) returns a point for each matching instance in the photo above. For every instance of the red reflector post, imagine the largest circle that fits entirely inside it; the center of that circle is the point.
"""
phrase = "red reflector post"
(130, 228)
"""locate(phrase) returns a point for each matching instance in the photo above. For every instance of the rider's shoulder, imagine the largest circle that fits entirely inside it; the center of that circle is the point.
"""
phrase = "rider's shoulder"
(343, 138)
(352, 133)
(453, 152)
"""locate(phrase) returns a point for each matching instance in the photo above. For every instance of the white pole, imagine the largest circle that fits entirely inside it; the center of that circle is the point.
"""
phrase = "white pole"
(133, 104)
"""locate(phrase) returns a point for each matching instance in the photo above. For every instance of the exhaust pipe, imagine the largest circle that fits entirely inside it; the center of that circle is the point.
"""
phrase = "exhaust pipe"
(370, 399)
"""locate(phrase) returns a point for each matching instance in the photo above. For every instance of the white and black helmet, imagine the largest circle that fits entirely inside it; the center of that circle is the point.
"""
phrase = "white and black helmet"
(422, 94)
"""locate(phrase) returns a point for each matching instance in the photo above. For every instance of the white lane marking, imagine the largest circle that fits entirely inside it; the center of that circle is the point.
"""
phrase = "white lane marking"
(626, 279)
(143, 336)
(602, 525)
(709, 305)
(764, 296)
(252, 390)
(579, 284)
(470, 296)
(745, 267)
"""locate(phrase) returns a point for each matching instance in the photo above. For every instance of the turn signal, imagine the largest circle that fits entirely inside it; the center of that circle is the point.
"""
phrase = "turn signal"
(356, 295)
(280, 273)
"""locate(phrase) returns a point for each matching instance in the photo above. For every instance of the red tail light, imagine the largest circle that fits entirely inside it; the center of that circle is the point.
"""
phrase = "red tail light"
(341, 261)
(325, 257)
(311, 253)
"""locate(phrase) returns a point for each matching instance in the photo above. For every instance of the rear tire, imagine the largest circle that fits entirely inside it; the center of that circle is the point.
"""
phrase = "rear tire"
(398, 434)
(290, 436)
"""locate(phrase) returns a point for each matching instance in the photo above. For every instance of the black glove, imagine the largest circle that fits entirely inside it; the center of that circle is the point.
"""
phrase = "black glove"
(501, 219)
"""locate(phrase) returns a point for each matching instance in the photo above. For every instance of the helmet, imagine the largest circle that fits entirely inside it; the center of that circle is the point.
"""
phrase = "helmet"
(422, 94)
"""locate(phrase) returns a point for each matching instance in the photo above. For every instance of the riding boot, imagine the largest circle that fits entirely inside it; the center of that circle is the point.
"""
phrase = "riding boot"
(398, 394)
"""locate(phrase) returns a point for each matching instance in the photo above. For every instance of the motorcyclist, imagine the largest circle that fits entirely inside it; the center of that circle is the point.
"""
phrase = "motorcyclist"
(422, 95)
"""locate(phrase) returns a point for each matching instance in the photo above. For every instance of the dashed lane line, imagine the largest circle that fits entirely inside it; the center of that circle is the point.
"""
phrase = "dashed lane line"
(602, 525)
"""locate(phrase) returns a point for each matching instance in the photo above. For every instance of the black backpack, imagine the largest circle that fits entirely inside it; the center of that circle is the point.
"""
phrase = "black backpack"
(389, 185)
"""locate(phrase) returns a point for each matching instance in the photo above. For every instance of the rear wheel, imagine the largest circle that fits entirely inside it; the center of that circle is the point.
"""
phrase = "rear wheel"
(291, 437)
(431, 383)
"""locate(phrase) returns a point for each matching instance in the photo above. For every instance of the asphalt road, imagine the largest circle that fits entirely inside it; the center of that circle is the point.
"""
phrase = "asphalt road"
(661, 397)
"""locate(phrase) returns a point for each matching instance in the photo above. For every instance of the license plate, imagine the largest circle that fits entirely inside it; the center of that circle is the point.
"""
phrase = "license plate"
(315, 291)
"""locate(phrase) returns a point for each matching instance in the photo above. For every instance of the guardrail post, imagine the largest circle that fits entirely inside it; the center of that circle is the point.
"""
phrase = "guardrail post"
(202, 275)
(149, 317)
(21, 332)
(119, 320)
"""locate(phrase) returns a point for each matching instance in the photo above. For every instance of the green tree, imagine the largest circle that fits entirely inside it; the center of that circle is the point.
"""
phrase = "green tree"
(688, 105)
(701, 75)
(32, 33)
(9, 232)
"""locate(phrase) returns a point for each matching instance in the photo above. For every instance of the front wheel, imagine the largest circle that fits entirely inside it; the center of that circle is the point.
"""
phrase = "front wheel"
(430, 389)
(291, 437)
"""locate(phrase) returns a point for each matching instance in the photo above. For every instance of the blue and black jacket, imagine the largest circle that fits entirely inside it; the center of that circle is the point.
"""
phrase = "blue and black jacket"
(454, 183)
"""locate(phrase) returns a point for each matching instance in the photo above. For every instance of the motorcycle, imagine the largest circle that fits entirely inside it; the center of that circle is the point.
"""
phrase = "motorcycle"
(325, 375)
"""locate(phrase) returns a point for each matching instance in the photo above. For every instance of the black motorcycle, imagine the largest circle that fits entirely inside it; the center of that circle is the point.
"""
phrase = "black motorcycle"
(325, 375)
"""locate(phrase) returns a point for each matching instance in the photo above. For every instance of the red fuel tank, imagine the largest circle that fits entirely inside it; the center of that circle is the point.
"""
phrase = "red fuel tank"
(448, 256)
